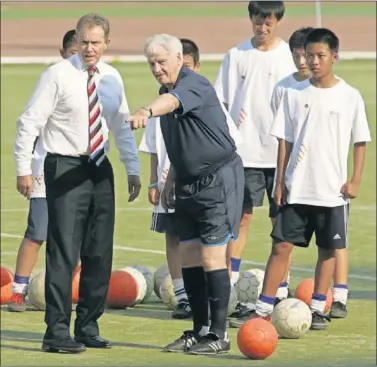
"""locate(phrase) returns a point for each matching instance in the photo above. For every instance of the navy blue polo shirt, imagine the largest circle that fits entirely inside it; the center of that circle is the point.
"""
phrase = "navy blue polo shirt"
(196, 135)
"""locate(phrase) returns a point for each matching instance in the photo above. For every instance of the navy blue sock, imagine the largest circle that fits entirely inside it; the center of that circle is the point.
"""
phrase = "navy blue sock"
(21, 280)
(235, 264)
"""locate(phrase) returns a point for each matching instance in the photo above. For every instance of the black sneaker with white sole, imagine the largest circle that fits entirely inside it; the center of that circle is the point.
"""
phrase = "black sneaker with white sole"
(237, 323)
(182, 311)
(210, 344)
(241, 311)
(183, 344)
(338, 310)
(319, 321)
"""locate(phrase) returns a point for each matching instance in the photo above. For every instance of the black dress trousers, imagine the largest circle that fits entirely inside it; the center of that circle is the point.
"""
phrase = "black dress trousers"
(81, 210)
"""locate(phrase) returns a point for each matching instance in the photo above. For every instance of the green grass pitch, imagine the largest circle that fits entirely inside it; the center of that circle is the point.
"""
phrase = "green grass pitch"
(10, 11)
(139, 333)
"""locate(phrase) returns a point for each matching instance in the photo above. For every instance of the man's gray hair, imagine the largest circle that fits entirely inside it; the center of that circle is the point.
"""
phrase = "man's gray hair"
(171, 44)
(93, 20)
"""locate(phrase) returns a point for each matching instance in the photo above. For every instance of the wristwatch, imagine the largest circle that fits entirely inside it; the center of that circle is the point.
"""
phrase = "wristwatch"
(149, 110)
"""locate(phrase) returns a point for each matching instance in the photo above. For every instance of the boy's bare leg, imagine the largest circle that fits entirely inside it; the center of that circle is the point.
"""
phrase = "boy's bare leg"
(173, 256)
(26, 259)
(340, 287)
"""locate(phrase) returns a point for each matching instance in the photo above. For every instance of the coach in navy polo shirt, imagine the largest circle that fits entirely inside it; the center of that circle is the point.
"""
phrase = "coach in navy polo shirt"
(207, 179)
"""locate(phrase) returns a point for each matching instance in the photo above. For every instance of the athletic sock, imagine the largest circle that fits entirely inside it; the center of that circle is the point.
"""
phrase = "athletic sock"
(282, 291)
(340, 293)
(20, 284)
(318, 302)
(219, 293)
(179, 290)
(235, 265)
(264, 305)
(197, 294)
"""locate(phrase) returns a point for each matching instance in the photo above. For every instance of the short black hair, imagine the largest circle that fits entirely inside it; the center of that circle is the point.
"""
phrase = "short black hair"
(323, 35)
(68, 39)
(265, 9)
(297, 40)
(190, 48)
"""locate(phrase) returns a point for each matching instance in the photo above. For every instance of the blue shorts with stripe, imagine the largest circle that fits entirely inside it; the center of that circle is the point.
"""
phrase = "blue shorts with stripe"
(210, 209)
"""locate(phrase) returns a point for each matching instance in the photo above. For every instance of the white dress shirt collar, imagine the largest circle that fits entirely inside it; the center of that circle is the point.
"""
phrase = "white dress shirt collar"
(79, 65)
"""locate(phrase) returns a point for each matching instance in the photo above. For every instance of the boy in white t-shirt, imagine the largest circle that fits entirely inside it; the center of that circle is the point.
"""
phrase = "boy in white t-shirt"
(153, 142)
(340, 287)
(296, 46)
(245, 82)
(315, 124)
(36, 232)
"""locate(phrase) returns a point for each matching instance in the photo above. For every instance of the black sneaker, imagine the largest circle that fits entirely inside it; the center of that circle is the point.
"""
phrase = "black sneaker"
(290, 294)
(182, 311)
(211, 344)
(338, 310)
(319, 321)
(237, 323)
(241, 311)
(183, 343)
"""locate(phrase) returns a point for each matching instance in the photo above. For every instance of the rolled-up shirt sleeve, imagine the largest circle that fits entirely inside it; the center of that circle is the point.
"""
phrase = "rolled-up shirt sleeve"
(124, 137)
(31, 122)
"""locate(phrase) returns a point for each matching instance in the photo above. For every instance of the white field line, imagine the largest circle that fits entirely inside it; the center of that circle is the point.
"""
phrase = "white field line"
(146, 209)
(256, 263)
(346, 55)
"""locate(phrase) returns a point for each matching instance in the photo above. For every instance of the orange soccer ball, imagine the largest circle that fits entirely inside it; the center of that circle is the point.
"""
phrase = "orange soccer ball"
(305, 290)
(6, 279)
(76, 284)
(124, 288)
(257, 339)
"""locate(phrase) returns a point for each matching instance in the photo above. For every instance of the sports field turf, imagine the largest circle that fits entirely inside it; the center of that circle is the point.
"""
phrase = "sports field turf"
(139, 333)
(172, 9)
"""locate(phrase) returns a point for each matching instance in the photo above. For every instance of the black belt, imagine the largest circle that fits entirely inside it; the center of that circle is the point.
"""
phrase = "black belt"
(84, 157)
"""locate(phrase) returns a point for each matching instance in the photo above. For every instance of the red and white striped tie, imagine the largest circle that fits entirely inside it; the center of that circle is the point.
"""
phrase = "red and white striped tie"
(96, 143)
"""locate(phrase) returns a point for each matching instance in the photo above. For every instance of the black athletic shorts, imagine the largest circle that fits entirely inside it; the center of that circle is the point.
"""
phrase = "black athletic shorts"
(210, 209)
(296, 224)
(164, 223)
(259, 181)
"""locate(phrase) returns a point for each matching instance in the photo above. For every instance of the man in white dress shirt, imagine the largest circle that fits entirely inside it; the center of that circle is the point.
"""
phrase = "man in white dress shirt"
(76, 102)
(36, 231)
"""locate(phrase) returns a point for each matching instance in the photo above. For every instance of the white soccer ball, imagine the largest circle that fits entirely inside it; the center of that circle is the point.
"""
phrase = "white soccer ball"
(249, 285)
(167, 292)
(233, 300)
(292, 318)
(36, 291)
(140, 279)
(148, 275)
(158, 278)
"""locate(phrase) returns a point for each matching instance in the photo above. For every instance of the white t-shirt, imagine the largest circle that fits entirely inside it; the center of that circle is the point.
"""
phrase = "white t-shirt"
(286, 83)
(37, 169)
(153, 142)
(245, 82)
(320, 123)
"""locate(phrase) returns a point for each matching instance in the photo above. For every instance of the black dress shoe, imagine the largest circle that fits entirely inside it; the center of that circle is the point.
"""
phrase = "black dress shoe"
(67, 345)
(93, 341)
